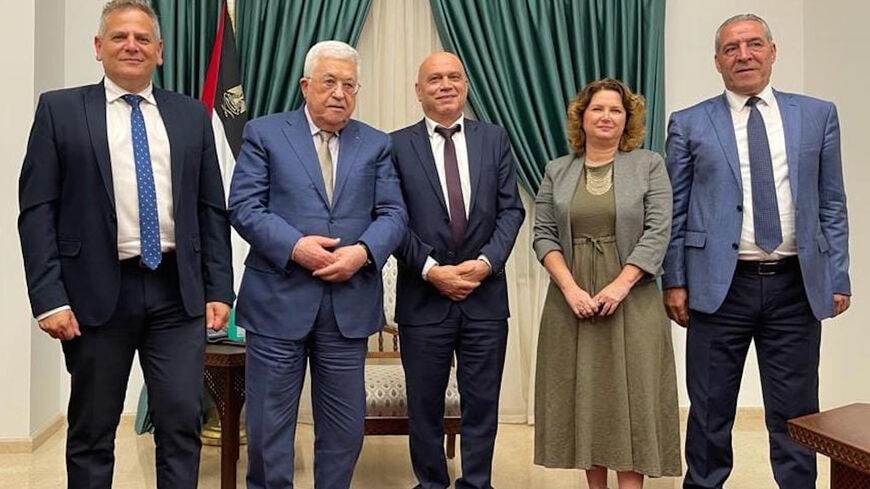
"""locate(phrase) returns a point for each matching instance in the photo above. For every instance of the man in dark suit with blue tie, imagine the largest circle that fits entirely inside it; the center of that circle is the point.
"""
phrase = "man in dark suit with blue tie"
(315, 194)
(126, 247)
(759, 251)
(460, 187)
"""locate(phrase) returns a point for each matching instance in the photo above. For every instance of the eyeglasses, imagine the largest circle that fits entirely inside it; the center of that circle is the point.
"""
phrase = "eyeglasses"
(330, 83)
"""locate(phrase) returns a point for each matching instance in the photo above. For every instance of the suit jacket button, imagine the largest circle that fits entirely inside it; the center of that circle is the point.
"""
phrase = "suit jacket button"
(450, 254)
(735, 246)
(739, 208)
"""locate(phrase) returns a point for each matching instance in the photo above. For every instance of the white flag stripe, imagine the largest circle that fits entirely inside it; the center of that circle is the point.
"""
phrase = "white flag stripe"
(227, 162)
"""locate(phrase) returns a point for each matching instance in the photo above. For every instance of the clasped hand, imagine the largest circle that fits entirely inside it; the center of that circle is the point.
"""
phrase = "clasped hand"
(603, 304)
(457, 282)
(320, 255)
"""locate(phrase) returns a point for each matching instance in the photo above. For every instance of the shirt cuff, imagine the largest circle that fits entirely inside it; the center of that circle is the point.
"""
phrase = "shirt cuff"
(484, 259)
(430, 262)
(53, 311)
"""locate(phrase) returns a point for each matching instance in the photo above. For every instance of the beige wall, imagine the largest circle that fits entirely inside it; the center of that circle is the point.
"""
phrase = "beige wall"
(836, 40)
(16, 35)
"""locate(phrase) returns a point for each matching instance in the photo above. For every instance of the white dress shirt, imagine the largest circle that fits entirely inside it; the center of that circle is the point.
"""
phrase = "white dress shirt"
(769, 110)
(119, 133)
(436, 141)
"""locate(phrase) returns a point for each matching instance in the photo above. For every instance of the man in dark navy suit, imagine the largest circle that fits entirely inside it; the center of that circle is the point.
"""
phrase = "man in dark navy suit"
(126, 247)
(464, 211)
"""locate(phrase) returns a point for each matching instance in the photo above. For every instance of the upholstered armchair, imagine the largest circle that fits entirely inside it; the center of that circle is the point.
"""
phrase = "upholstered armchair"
(386, 404)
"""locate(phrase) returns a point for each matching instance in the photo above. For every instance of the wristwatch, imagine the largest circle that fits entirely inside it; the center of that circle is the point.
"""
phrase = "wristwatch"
(369, 258)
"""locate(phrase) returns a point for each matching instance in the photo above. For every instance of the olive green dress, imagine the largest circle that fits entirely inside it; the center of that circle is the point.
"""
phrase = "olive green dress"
(605, 388)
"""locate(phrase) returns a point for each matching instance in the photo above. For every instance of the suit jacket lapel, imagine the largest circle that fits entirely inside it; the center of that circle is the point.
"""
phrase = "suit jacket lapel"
(298, 134)
(348, 146)
(620, 176)
(473, 144)
(420, 142)
(95, 108)
(175, 131)
(790, 112)
(720, 114)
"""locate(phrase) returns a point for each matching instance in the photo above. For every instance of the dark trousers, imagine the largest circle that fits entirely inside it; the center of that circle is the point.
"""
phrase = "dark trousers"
(427, 354)
(773, 311)
(150, 319)
(274, 376)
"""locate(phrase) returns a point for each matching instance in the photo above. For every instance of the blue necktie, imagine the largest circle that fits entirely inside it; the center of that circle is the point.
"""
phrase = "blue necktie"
(149, 224)
(765, 211)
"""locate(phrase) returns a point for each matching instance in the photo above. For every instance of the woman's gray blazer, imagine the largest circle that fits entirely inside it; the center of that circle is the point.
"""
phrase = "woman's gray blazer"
(643, 208)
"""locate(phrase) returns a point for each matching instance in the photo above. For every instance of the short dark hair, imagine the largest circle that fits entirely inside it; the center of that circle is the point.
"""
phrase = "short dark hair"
(741, 18)
(118, 5)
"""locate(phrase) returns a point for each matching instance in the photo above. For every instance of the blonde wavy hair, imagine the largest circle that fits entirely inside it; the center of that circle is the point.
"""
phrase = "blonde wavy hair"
(632, 135)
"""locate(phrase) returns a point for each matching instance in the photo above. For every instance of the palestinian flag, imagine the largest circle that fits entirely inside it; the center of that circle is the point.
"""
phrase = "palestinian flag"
(222, 94)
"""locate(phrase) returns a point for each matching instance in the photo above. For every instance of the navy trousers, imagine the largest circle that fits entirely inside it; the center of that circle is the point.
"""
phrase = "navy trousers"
(274, 375)
(150, 318)
(427, 354)
(773, 311)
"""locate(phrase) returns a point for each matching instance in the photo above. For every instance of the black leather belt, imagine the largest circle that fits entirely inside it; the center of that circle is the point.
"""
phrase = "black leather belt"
(136, 261)
(768, 267)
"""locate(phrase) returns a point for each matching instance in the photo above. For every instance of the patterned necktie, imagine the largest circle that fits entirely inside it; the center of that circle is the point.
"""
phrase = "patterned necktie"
(458, 220)
(325, 158)
(765, 210)
(149, 224)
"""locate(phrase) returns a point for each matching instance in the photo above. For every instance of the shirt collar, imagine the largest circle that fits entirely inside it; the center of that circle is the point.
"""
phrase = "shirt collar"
(312, 126)
(431, 125)
(114, 92)
(738, 102)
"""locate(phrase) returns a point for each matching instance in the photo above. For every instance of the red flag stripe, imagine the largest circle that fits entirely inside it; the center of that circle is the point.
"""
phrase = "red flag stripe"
(209, 87)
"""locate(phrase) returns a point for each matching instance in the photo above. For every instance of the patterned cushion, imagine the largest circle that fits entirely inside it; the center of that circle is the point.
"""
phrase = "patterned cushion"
(389, 274)
(385, 392)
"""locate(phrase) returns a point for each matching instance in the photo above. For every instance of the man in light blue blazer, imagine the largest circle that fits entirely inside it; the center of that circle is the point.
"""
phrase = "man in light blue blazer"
(317, 197)
(758, 252)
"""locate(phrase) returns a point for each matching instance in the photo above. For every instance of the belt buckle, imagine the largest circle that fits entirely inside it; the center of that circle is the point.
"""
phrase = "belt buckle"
(766, 269)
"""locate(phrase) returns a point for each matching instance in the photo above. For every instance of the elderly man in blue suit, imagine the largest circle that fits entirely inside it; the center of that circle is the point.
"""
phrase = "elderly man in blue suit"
(316, 196)
(759, 251)
(460, 185)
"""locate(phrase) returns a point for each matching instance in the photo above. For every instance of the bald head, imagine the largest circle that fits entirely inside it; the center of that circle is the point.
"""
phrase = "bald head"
(442, 87)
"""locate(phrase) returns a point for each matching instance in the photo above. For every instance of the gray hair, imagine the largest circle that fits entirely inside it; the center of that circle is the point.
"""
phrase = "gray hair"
(742, 18)
(329, 49)
(119, 5)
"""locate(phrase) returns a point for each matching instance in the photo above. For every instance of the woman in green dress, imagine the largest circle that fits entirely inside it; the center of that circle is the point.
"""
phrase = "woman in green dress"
(606, 394)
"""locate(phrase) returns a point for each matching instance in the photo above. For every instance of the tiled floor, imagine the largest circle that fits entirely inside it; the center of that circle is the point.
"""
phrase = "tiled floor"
(384, 463)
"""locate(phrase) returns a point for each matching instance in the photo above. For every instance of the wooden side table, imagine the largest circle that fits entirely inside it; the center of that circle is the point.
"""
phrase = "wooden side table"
(225, 381)
(843, 434)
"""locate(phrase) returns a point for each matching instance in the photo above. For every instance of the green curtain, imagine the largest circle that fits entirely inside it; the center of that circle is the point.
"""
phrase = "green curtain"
(188, 29)
(526, 60)
(273, 38)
